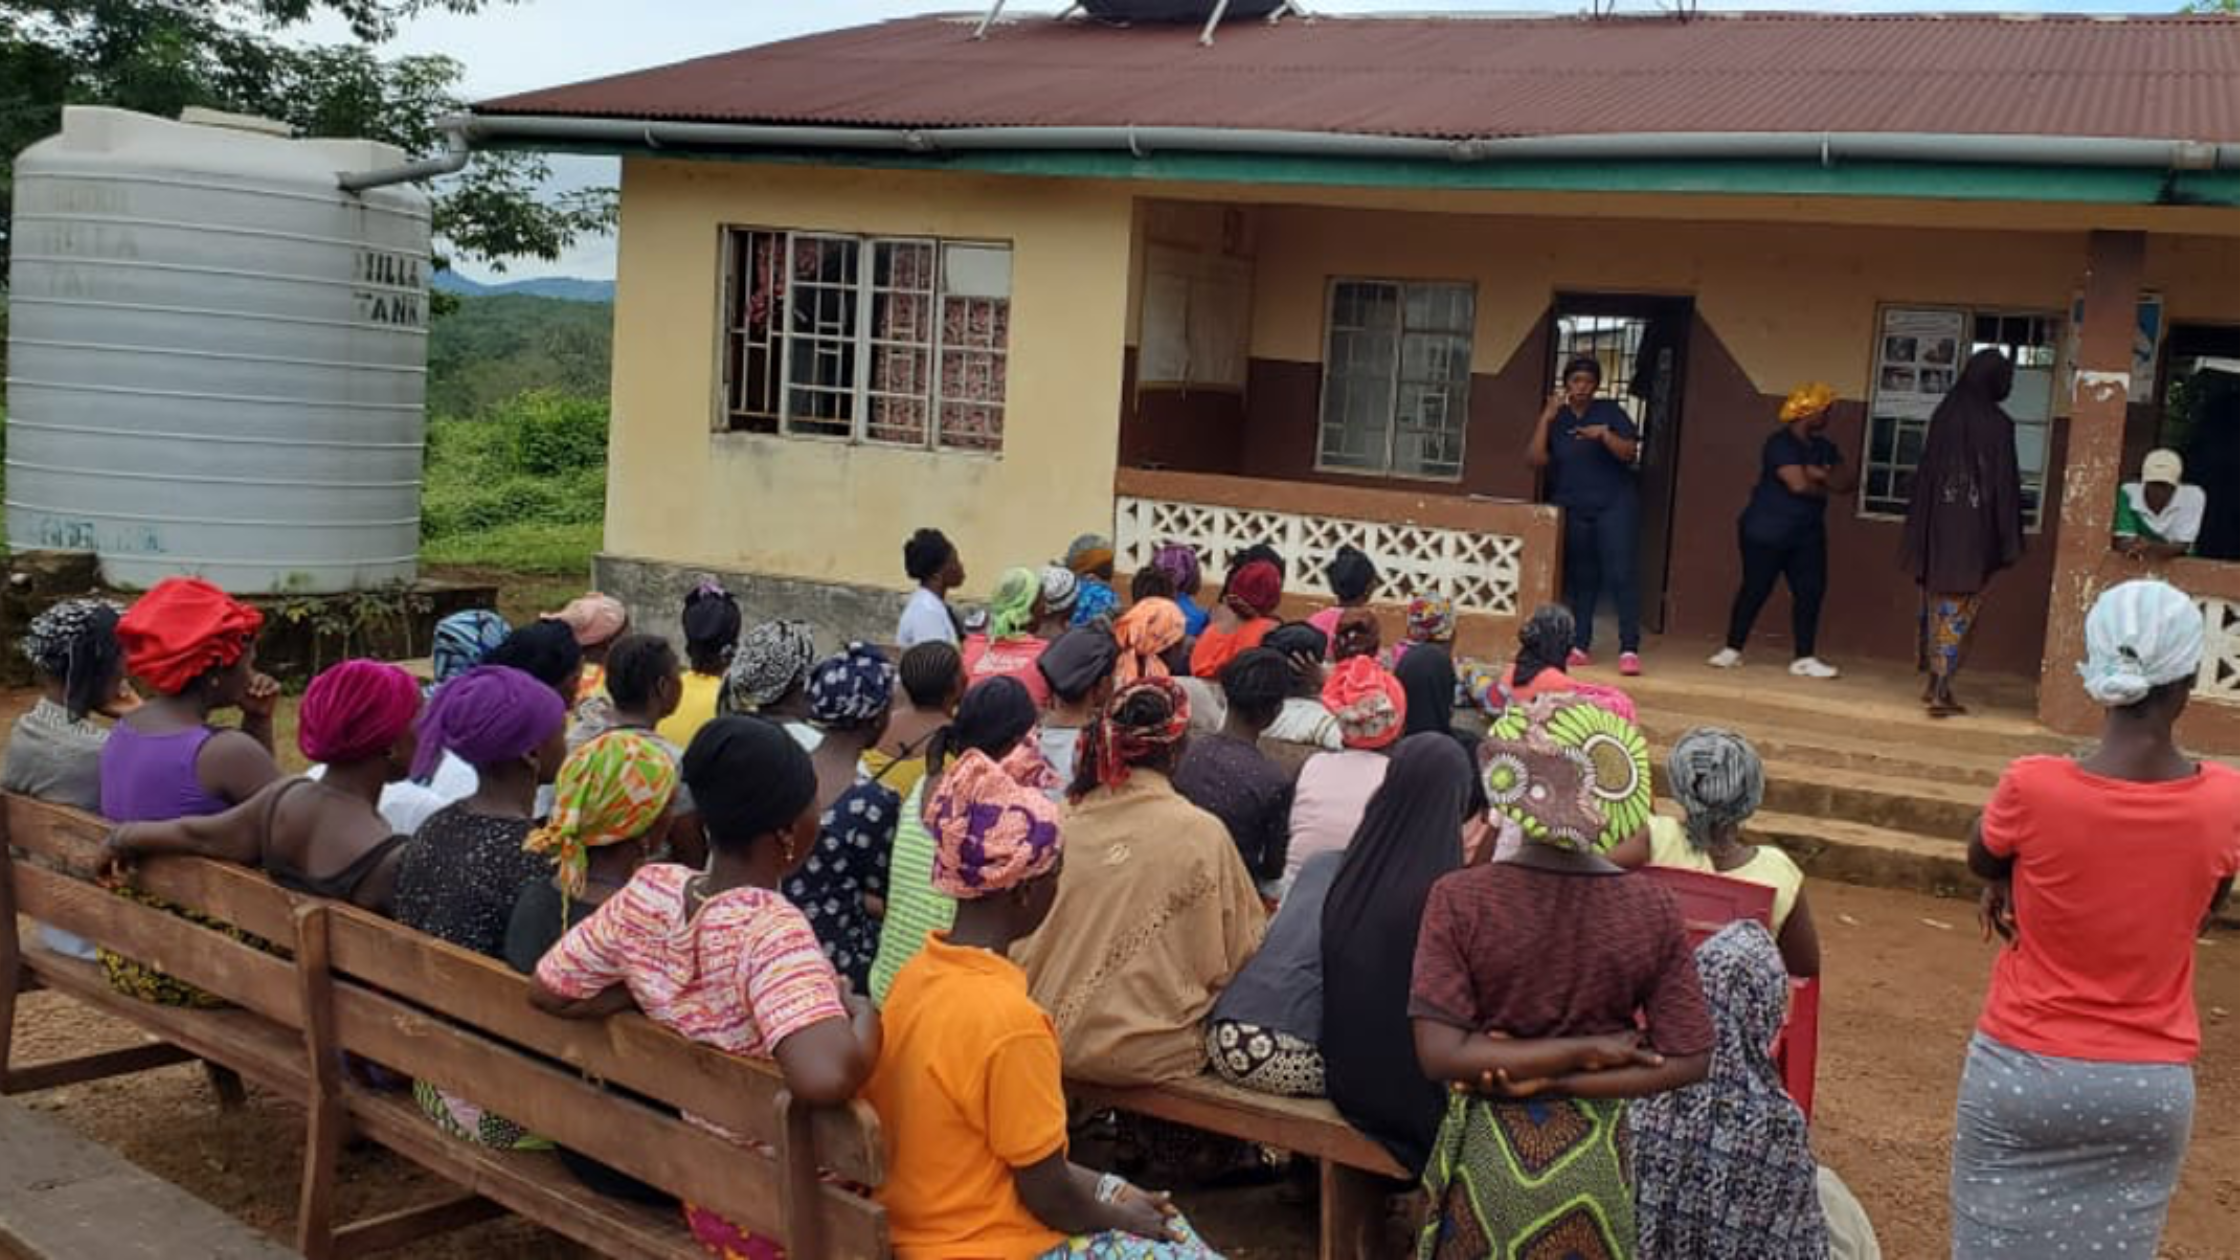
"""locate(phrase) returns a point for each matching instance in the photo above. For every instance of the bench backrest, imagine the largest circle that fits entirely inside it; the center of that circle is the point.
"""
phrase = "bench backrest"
(418, 1006)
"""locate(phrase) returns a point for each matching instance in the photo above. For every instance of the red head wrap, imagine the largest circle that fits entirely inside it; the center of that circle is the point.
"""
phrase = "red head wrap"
(1114, 744)
(356, 710)
(182, 629)
(1255, 589)
(1369, 703)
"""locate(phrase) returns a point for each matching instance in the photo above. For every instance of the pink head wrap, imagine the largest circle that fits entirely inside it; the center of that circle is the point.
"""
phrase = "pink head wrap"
(991, 832)
(355, 711)
(1368, 702)
(594, 618)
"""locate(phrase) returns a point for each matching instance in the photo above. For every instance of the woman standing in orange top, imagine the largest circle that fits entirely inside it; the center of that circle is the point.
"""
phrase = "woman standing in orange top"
(2077, 1103)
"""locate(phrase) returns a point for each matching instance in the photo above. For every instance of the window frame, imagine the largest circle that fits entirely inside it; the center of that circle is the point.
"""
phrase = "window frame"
(1971, 315)
(1399, 380)
(735, 294)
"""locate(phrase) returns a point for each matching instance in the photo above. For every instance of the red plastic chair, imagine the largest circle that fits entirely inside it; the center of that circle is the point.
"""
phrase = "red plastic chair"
(1710, 902)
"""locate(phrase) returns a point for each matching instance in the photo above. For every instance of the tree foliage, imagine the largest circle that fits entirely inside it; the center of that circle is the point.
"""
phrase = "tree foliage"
(162, 56)
(488, 350)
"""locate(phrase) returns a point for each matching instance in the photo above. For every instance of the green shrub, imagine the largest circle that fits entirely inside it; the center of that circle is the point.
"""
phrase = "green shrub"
(555, 433)
(523, 488)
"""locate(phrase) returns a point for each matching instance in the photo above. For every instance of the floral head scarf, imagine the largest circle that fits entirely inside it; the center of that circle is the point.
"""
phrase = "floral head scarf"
(1431, 619)
(1011, 604)
(852, 688)
(991, 831)
(1568, 772)
(1807, 401)
(1369, 703)
(1059, 589)
(75, 643)
(1145, 634)
(772, 659)
(1144, 717)
(612, 789)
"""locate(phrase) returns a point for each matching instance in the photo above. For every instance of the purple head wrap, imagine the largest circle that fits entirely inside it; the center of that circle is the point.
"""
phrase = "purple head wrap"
(488, 715)
(1180, 562)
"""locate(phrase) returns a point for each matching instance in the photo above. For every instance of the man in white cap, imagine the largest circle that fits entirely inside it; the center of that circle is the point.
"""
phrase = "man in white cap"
(2158, 516)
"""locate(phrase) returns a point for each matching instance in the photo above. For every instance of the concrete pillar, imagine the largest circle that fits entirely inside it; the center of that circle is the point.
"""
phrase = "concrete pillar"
(2114, 264)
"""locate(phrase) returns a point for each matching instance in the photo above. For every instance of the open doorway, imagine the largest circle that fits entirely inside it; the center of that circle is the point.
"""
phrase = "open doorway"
(1642, 343)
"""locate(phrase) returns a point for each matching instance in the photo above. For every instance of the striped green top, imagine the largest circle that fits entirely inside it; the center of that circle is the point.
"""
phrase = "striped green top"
(913, 907)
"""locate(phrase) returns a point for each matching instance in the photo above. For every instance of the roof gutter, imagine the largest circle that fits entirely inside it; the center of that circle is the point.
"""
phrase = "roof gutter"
(1824, 148)
(453, 159)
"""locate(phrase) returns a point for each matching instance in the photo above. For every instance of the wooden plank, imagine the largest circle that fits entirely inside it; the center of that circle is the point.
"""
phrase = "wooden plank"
(259, 1049)
(203, 957)
(394, 1229)
(57, 833)
(1353, 1214)
(328, 1122)
(13, 977)
(662, 1150)
(94, 1067)
(63, 1197)
(1305, 1126)
(530, 1183)
(628, 1050)
(239, 895)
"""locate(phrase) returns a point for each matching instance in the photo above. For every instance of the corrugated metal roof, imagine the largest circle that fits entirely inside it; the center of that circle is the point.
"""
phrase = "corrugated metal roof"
(2175, 78)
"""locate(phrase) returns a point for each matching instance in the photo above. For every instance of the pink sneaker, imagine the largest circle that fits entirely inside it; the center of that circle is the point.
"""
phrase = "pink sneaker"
(1577, 660)
(1629, 664)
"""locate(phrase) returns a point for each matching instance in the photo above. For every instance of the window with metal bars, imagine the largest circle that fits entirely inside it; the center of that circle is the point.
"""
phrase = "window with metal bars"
(896, 341)
(1915, 366)
(1396, 378)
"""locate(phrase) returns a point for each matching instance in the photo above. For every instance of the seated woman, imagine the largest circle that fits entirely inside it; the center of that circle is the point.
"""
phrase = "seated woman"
(612, 810)
(1226, 774)
(1304, 726)
(54, 752)
(995, 720)
(933, 684)
(597, 621)
(1430, 624)
(1150, 640)
(769, 678)
(1353, 581)
(1538, 670)
(322, 837)
(1719, 781)
(195, 648)
(969, 1087)
(1543, 1045)
(1180, 564)
(721, 956)
(842, 888)
(1334, 788)
(1078, 668)
(711, 637)
(1241, 620)
(1011, 643)
(464, 870)
(1157, 912)
(462, 640)
(1366, 945)
(644, 683)
(1089, 559)
(1724, 1168)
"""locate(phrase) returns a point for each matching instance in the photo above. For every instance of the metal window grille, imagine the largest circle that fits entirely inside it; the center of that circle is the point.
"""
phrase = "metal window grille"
(892, 341)
(1615, 342)
(1396, 378)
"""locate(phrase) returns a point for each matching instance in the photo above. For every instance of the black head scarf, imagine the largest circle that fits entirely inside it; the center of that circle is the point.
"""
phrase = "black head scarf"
(1426, 675)
(1078, 660)
(1544, 642)
(1964, 522)
(1410, 835)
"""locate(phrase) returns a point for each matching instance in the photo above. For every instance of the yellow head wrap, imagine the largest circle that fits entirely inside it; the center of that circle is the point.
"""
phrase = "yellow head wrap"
(1807, 401)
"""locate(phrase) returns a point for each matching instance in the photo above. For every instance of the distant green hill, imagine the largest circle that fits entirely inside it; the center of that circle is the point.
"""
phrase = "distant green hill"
(491, 349)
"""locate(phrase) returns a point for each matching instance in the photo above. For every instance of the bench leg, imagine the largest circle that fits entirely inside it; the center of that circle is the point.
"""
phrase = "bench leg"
(1353, 1214)
(226, 1084)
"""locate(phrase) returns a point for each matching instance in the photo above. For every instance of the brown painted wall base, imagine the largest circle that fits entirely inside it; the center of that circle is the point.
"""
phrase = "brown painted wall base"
(2208, 726)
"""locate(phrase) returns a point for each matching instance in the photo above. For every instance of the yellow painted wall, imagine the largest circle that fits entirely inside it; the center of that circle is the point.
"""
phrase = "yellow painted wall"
(1792, 302)
(827, 511)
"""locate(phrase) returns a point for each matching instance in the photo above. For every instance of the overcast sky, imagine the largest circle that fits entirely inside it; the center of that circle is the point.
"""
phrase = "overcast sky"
(539, 43)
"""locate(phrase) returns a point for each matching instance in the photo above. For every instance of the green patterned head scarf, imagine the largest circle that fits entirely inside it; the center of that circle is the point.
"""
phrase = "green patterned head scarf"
(1011, 604)
(1570, 774)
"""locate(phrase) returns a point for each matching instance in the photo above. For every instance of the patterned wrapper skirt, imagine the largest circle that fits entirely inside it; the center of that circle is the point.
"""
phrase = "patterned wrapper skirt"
(1519, 1179)
(1263, 1060)
(2055, 1157)
(1947, 623)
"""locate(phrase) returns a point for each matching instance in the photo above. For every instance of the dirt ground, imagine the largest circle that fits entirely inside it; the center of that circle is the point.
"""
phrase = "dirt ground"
(1905, 977)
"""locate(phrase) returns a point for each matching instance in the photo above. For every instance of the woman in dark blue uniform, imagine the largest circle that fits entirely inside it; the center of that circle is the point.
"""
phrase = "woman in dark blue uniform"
(1588, 445)
(1784, 530)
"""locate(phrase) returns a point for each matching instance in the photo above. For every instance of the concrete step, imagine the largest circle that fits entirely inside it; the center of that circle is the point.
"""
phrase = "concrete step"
(1925, 808)
(1906, 761)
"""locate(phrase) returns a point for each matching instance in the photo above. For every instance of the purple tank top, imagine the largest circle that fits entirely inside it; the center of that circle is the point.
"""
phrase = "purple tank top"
(151, 778)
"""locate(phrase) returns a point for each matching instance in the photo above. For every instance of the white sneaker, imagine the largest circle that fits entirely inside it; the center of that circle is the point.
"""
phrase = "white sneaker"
(1813, 667)
(1726, 658)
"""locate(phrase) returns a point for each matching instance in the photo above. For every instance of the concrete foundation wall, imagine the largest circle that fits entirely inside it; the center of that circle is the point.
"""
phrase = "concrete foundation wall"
(654, 592)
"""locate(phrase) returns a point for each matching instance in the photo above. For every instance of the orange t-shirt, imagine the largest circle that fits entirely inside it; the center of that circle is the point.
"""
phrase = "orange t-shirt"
(1216, 648)
(968, 1089)
(2111, 879)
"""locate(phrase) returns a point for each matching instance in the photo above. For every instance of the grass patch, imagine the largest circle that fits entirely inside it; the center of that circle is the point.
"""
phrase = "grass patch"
(521, 489)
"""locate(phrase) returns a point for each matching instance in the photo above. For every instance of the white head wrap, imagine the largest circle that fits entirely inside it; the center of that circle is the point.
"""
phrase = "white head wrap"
(2139, 636)
(1718, 778)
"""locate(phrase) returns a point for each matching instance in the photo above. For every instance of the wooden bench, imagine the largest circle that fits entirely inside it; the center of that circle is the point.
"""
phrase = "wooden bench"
(1350, 1163)
(358, 983)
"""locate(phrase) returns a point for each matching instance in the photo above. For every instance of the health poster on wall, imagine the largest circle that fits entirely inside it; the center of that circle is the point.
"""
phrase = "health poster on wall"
(1916, 360)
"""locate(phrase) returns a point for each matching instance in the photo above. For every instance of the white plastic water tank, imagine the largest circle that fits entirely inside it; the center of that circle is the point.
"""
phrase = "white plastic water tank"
(217, 360)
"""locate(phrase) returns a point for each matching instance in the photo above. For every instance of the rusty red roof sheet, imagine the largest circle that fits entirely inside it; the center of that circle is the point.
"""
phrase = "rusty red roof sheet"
(2163, 78)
